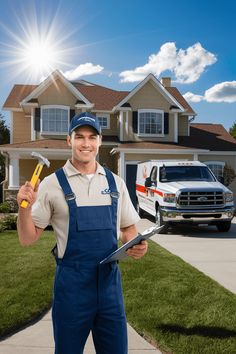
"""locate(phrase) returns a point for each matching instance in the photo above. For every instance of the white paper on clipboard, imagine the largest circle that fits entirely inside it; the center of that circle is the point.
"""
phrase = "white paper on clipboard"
(120, 253)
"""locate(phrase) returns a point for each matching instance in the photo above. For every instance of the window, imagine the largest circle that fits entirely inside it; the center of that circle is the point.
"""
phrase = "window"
(54, 119)
(217, 167)
(150, 122)
(104, 120)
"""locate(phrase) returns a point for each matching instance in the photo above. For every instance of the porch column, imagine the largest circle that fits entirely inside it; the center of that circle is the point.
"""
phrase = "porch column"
(121, 126)
(14, 180)
(121, 165)
(176, 133)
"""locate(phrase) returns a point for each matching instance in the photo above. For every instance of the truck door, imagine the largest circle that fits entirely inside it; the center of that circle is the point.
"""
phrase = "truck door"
(151, 199)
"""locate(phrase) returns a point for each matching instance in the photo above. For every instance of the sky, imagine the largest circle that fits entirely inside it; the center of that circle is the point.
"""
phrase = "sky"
(118, 43)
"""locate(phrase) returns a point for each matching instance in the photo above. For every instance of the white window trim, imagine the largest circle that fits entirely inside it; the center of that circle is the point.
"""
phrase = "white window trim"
(162, 122)
(41, 119)
(105, 115)
(220, 163)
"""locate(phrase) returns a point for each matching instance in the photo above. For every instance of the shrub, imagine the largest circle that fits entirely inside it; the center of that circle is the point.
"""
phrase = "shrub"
(8, 223)
(5, 207)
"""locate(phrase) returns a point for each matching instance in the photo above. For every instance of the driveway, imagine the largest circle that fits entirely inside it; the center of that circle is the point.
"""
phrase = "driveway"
(205, 248)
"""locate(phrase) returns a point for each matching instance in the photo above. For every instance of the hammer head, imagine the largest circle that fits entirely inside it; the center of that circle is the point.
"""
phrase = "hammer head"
(42, 160)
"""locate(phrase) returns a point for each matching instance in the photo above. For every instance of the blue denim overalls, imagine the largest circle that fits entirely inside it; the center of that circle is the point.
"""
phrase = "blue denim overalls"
(88, 296)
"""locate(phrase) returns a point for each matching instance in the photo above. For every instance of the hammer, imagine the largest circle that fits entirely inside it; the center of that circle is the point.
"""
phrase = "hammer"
(34, 179)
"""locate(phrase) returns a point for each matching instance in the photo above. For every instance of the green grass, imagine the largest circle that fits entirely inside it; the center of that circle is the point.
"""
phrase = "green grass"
(26, 280)
(176, 306)
(169, 302)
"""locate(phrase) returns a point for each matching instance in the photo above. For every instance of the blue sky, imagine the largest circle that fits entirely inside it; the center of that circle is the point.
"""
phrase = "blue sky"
(117, 43)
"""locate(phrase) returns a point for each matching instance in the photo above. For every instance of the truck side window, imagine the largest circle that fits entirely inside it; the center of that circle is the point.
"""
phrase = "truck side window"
(153, 174)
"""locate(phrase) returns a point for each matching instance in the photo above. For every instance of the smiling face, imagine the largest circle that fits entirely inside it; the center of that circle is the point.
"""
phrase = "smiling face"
(85, 143)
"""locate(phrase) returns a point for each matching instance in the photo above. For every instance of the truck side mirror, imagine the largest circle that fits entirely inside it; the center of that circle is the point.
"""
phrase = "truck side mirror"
(221, 179)
(148, 182)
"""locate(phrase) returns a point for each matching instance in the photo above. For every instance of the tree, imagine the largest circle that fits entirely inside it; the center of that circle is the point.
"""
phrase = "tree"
(232, 130)
(4, 139)
(228, 175)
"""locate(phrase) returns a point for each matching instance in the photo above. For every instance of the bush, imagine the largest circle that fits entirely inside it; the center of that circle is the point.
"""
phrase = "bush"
(5, 207)
(8, 223)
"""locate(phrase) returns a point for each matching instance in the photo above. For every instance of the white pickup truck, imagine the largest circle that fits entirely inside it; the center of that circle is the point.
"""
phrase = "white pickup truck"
(183, 192)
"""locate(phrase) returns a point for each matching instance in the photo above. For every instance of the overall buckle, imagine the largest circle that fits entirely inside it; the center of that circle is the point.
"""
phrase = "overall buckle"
(115, 195)
(70, 196)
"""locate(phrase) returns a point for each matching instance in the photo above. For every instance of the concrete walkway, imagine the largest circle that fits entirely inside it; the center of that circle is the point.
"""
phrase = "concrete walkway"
(208, 250)
(38, 339)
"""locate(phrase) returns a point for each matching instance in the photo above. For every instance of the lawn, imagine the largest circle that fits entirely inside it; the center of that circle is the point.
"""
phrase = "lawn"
(177, 307)
(26, 280)
(169, 302)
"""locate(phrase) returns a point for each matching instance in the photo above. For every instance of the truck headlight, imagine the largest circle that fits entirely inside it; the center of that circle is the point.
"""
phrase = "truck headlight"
(169, 198)
(229, 197)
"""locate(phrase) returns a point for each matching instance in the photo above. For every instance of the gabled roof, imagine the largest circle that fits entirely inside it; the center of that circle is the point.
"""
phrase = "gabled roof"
(156, 83)
(98, 97)
(103, 98)
(52, 79)
(17, 94)
(214, 136)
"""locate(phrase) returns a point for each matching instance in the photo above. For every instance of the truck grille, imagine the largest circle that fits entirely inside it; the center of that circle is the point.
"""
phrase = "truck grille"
(200, 199)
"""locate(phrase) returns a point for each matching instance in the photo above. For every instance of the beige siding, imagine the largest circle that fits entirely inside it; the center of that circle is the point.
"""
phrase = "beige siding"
(57, 94)
(230, 160)
(21, 127)
(114, 121)
(146, 157)
(148, 97)
(27, 168)
(106, 159)
(183, 126)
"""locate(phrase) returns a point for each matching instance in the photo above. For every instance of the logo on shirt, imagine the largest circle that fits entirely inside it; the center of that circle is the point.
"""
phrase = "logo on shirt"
(106, 191)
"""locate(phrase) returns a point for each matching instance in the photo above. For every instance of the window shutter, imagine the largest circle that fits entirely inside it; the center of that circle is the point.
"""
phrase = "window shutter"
(166, 123)
(37, 120)
(135, 121)
(72, 113)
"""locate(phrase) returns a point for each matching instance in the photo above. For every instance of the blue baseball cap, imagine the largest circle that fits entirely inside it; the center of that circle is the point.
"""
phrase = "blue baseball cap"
(82, 119)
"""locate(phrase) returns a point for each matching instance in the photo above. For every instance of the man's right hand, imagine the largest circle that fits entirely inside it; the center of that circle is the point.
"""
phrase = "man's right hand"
(28, 193)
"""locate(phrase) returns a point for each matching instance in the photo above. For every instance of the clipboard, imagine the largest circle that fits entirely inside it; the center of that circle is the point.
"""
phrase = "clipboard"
(120, 253)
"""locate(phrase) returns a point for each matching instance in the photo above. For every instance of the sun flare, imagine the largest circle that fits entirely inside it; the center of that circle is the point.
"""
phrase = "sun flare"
(38, 47)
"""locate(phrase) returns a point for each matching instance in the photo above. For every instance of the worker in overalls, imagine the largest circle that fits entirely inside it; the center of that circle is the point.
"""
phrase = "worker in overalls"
(88, 208)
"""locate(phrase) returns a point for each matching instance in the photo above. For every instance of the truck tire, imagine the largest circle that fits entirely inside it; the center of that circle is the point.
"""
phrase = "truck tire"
(140, 211)
(158, 217)
(223, 226)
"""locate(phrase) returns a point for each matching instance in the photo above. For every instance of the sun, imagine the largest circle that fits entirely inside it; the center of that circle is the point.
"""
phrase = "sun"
(37, 46)
(39, 57)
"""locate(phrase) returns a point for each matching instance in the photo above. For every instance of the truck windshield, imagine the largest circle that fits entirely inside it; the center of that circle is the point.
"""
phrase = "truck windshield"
(185, 173)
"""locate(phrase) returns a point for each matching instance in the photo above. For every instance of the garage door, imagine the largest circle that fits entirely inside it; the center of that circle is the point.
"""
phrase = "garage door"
(131, 173)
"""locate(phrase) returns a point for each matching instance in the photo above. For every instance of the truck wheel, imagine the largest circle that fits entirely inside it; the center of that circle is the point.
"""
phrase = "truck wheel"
(158, 217)
(140, 211)
(223, 226)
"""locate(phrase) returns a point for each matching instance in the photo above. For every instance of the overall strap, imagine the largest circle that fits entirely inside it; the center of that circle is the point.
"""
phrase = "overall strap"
(114, 196)
(69, 195)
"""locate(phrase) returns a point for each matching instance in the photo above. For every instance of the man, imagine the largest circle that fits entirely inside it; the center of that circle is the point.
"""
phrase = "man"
(87, 206)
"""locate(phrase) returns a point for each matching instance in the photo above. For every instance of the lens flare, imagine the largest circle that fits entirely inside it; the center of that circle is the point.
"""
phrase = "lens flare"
(40, 44)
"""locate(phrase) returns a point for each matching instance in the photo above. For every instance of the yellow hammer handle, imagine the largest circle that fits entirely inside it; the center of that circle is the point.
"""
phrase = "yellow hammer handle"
(33, 181)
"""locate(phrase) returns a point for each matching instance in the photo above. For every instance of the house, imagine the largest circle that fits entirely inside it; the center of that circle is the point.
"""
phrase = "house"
(153, 121)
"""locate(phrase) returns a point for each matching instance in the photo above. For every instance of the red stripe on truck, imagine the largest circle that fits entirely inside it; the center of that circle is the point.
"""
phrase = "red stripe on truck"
(144, 189)
(141, 188)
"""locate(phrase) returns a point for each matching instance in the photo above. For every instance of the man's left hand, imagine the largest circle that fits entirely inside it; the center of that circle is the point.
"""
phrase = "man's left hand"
(138, 251)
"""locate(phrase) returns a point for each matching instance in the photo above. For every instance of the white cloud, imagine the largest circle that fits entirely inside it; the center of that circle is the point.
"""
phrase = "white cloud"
(81, 70)
(222, 92)
(191, 97)
(187, 65)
